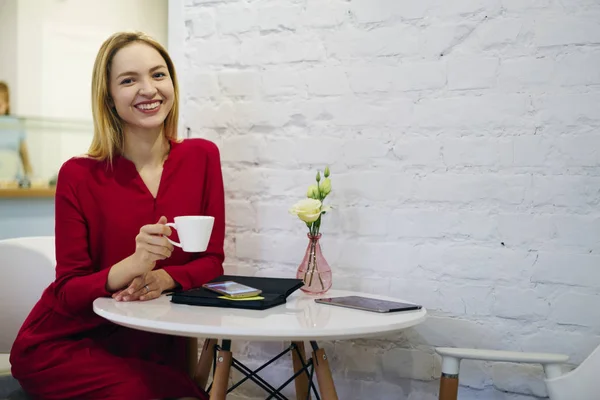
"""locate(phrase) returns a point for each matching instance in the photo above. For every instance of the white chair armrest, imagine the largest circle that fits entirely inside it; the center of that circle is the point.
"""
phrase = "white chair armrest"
(451, 358)
(505, 356)
(4, 364)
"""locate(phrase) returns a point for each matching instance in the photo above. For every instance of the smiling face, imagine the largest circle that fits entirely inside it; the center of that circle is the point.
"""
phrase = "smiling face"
(140, 87)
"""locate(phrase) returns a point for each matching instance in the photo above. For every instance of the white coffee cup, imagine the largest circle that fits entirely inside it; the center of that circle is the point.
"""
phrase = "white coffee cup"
(193, 231)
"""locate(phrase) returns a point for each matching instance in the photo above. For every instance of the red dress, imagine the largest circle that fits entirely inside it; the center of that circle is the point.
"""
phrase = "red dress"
(64, 350)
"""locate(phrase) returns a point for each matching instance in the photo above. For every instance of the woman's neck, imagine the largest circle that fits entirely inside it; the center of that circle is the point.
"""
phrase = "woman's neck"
(145, 147)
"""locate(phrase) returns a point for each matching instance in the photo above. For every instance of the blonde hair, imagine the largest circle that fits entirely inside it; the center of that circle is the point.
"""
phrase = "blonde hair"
(6, 92)
(108, 126)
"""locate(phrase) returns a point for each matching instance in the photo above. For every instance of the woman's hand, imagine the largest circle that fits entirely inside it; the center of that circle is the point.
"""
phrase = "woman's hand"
(146, 287)
(152, 245)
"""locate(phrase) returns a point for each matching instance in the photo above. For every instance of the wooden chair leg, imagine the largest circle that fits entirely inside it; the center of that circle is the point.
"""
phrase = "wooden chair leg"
(449, 379)
(192, 355)
(449, 387)
(221, 380)
(205, 364)
(326, 385)
(301, 381)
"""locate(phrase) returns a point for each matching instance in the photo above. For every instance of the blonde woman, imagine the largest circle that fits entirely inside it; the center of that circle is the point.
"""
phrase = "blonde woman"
(111, 210)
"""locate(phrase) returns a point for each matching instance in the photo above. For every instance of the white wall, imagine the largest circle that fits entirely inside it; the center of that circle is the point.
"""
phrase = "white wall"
(464, 144)
(73, 31)
(57, 44)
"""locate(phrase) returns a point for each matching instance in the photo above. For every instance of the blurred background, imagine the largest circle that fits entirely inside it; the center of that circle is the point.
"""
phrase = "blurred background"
(47, 51)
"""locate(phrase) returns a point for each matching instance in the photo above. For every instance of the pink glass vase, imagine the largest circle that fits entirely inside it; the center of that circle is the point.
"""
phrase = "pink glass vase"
(314, 269)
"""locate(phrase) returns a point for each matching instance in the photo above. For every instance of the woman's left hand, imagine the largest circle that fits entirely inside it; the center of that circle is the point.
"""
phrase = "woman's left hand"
(146, 287)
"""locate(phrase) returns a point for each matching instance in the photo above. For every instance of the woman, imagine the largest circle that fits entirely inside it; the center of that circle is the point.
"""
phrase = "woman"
(111, 210)
(14, 157)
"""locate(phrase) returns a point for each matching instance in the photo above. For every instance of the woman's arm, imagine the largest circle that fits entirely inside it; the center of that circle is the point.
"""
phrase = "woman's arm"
(209, 264)
(24, 153)
(78, 283)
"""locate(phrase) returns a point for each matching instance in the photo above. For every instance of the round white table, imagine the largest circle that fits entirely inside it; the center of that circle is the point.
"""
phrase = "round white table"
(299, 319)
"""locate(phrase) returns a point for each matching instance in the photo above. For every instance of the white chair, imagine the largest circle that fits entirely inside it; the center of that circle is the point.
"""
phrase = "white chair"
(578, 384)
(26, 269)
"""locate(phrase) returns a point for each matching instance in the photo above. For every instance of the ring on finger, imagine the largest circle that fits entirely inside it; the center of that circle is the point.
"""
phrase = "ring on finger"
(147, 288)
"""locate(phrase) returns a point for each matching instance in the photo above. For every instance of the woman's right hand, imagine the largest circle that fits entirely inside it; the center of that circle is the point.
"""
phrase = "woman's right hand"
(151, 245)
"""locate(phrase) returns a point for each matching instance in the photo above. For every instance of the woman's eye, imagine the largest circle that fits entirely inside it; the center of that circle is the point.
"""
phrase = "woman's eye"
(126, 81)
(160, 75)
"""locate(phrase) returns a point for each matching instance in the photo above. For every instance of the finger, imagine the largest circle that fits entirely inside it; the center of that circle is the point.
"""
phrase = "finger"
(152, 252)
(135, 284)
(144, 291)
(156, 241)
(119, 292)
(152, 294)
(158, 252)
(133, 287)
(156, 229)
(132, 297)
(162, 220)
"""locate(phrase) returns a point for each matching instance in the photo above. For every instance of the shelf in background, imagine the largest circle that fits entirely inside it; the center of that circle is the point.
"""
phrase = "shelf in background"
(34, 192)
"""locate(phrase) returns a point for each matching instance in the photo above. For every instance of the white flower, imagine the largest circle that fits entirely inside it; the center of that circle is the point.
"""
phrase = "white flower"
(312, 192)
(308, 210)
(325, 186)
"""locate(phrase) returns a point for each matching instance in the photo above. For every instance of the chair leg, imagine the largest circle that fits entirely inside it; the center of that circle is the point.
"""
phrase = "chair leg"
(221, 379)
(326, 385)
(205, 364)
(192, 355)
(301, 380)
(449, 387)
(449, 379)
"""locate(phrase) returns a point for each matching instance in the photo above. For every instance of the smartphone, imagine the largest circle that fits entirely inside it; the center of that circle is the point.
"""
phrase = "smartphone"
(369, 304)
(232, 289)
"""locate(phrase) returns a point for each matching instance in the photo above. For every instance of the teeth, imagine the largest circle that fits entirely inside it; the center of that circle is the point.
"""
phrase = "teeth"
(149, 106)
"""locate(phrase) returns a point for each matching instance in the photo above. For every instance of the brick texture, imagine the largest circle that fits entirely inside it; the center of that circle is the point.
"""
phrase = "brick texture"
(464, 142)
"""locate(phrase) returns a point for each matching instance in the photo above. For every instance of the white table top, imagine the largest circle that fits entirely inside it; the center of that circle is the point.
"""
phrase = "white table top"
(299, 319)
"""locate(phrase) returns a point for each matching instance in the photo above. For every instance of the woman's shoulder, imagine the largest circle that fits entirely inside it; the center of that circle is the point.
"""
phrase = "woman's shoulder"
(81, 162)
(78, 167)
(198, 146)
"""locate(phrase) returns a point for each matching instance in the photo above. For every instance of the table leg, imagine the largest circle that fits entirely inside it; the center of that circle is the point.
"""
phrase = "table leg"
(449, 387)
(192, 355)
(301, 380)
(221, 379)
(321, 362)
(205, 364)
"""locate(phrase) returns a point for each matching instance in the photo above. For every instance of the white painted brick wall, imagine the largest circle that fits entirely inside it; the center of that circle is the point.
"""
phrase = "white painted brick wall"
(464, 142)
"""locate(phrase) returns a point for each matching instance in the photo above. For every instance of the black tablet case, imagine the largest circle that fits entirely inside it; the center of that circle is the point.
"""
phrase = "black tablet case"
(274, 290)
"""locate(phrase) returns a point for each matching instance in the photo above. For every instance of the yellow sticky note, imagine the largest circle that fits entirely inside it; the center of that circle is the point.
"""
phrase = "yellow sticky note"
(243, 298)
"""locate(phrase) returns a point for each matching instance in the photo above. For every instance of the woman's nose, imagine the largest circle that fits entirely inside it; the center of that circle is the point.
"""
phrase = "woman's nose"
(147, 89)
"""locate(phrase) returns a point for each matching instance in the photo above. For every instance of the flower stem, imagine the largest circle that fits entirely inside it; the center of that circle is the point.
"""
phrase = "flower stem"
(310, 256)
(312, 260)
(312, 263)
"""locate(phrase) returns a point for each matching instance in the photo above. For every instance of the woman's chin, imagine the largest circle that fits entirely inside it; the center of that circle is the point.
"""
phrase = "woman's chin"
(152, 123)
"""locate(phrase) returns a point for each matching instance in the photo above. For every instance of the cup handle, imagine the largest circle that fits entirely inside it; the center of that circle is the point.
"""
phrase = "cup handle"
(172, 225)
